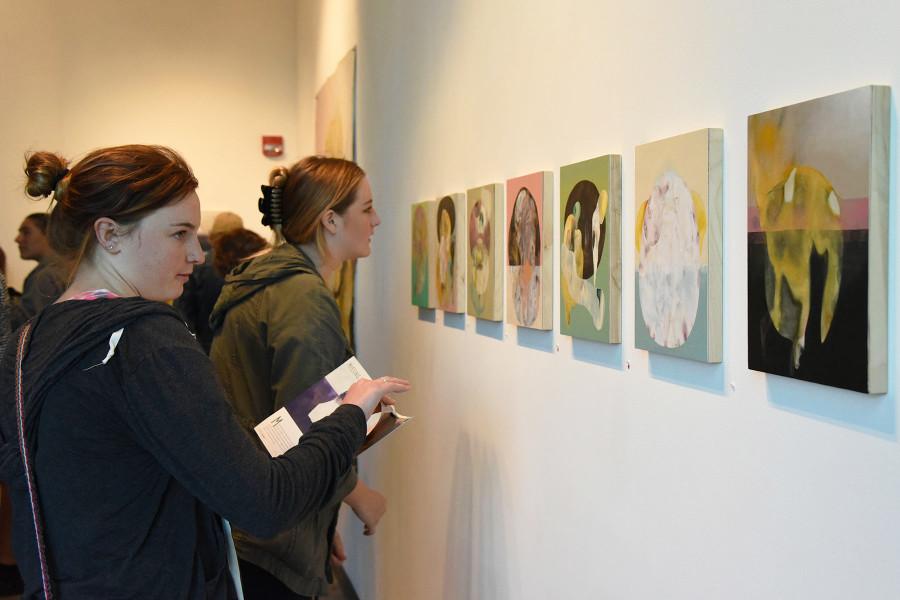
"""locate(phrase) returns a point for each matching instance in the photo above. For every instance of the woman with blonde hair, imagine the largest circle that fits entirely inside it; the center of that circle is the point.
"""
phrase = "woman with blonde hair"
(278, 331)
(117, 444)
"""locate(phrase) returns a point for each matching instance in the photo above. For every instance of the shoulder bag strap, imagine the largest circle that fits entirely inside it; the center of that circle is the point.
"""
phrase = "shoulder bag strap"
(26, 459)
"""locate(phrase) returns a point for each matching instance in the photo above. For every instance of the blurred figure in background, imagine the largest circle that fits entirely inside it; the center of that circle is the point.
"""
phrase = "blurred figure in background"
(4, 304)
(202, 289)
(10, 579)
(233, 247)
(46, 281)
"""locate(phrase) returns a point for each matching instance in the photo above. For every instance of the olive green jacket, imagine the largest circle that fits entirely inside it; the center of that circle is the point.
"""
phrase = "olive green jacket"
(277, 330)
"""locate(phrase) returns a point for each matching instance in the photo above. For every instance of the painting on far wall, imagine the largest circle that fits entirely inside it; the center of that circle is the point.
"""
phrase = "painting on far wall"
(817, 240)
(450, 271)
(678, 246)
(529, 251)
(484, 273)
(335, 114)
(336, 137)
(590, 249)
(424, 251)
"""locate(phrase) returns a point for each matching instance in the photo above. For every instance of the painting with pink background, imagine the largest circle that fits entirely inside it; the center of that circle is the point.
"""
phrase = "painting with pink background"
(535, 185)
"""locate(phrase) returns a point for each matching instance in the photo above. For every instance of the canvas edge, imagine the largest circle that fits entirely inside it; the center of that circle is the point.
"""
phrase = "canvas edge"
(549, 256)
(714, 249)
(567, 330)
(412, 237)
(615, 249)
(499, 290)
(462, 235)
(638, 150)
(470, 309)
(509, 313)
(879, 200)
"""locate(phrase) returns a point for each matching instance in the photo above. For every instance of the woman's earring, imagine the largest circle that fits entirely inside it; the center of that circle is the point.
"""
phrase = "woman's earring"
(109, 247)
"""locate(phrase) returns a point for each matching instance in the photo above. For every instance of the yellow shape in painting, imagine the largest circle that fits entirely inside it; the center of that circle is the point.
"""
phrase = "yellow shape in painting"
(801, 214)
(699, 217)
(639, 224)
(604, 205)
(569, 245)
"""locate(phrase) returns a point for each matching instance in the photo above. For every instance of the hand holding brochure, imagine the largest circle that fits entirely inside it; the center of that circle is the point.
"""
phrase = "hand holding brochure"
(283, 429)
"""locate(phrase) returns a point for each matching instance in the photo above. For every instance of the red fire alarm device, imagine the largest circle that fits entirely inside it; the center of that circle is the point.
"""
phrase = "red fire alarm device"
(272, 145)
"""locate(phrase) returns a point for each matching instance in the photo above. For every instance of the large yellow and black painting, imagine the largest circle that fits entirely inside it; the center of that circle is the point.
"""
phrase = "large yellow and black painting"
(817, 240)
(336, 137)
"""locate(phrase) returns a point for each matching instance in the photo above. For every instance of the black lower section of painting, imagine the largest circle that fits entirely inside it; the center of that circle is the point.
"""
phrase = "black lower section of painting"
(839, 361)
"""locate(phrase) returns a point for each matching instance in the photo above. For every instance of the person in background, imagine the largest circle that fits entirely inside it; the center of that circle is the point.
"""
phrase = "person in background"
(233, 247)
(10, 579)
(110, 405)
(202, 289)
(46, 281)
(277, 332)
(5, 328)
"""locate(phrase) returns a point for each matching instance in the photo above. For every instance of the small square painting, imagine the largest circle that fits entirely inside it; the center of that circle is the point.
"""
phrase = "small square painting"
(529, 251)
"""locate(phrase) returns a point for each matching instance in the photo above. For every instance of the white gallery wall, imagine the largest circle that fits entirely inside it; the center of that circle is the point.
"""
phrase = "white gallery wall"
(207, 77)
(535, 467)
(541, 468)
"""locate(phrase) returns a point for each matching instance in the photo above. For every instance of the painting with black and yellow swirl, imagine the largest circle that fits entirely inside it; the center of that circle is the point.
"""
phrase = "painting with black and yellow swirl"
(817, 240)
(590, 249)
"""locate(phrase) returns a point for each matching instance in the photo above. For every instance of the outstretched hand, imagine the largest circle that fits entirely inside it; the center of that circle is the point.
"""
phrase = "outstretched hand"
(368, 393)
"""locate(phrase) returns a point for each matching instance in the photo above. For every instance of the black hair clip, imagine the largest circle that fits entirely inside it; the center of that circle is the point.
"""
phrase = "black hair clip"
(270, 205)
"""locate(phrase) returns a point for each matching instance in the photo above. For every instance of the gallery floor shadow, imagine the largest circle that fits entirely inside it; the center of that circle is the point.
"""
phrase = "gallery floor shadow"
(709, 377)
(536, 339)
(598, 353)
(477, 551)
(491, 329)
(455, 320)
(428, 314)
(872, 414)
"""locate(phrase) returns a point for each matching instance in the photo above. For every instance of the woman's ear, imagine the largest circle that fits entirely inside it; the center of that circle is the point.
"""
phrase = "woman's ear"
(107, 233)
(328, 221)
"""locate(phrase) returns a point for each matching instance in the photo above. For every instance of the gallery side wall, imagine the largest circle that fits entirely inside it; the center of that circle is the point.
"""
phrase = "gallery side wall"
(537, 467)
(207, 78)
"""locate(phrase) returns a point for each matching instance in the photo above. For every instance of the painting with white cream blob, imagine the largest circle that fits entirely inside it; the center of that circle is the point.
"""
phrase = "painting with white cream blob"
(529, 251)
(590, 249)
(484, 256)
(678, 246)
(817, 239)
(450, 270)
